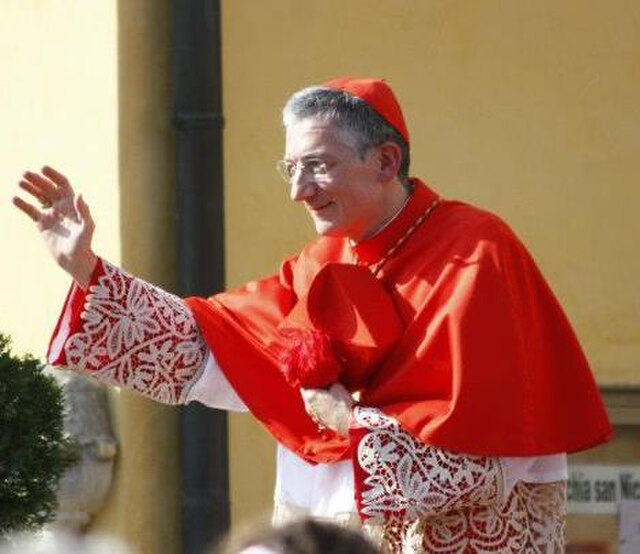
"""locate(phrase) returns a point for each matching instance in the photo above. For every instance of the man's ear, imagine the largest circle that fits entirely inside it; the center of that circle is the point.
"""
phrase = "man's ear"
(390, 159)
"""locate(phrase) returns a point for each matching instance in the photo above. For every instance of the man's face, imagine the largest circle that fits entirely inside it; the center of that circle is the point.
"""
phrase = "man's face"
(345, 200)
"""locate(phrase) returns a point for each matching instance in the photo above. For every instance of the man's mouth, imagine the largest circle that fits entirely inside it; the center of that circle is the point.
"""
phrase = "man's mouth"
(319, 207)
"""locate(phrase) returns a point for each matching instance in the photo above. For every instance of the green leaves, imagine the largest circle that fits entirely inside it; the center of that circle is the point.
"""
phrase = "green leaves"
(34, 452)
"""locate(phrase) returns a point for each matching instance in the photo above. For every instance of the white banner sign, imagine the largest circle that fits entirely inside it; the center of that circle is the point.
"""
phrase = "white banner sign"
(595, 489)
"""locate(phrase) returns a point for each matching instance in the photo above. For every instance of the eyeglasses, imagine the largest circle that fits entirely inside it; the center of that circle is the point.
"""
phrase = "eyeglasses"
(320, 169)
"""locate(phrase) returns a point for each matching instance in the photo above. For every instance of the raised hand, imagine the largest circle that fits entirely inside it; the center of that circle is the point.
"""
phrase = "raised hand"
(63, 220)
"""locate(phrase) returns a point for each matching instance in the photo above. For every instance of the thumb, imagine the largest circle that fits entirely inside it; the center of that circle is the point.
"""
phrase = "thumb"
(82, 208)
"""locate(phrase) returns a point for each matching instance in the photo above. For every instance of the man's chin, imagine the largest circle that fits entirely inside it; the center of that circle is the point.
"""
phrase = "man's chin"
(327, 229)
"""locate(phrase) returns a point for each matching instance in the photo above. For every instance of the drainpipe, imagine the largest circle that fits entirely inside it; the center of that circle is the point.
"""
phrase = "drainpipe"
(198, 160)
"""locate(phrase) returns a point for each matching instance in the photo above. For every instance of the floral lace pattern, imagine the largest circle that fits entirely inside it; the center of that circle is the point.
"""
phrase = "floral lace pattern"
(415, 498)
(407, 479)
(137, 336)
(531, 520)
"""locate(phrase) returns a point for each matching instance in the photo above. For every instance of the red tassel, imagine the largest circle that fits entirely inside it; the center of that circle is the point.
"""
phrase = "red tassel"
(309, 360)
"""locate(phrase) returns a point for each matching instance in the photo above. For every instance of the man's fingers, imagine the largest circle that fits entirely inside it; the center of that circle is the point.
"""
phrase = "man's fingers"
(309, 397)
(33, 191)
(45, 187)
(82, 208)
(329, 408)
(27, 208)
(307, 394)
(58, 178)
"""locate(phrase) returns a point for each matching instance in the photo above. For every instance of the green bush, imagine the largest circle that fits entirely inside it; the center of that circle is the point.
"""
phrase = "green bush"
(33, 449)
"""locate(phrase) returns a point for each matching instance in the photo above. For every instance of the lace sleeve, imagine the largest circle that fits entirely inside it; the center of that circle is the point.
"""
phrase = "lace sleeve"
(398, 477)
(128, 333)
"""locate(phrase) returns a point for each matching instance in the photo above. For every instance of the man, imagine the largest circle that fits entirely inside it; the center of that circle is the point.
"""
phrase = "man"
(441, 383)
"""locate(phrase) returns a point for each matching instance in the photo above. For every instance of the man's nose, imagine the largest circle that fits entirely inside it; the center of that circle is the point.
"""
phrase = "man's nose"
(302, 186)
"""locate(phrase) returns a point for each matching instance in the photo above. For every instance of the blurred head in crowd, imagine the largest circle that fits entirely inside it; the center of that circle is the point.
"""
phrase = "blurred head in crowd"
(301, 537)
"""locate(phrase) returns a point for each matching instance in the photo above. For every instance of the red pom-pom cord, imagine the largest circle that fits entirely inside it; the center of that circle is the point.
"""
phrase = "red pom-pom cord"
(309, 360)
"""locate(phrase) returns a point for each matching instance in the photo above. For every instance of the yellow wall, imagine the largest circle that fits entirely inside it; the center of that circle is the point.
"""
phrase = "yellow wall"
(86, 88)
(525, 108)
(144, 506)
(58, 105)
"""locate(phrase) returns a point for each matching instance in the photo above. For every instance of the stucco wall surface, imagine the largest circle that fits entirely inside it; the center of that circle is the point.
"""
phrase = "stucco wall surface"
(528, 109)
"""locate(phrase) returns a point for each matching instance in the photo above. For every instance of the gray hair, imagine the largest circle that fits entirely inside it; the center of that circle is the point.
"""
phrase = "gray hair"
(361, 125)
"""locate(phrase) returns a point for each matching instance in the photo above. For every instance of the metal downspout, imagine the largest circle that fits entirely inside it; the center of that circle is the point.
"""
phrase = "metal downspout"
(198, 125)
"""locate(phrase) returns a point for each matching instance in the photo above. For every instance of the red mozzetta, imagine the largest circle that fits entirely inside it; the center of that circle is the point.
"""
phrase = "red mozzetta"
(487, 362)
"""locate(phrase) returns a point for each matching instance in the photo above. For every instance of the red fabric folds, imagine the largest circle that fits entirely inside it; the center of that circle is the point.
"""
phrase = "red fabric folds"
(487, 364)
(240, 327)
(345, 325)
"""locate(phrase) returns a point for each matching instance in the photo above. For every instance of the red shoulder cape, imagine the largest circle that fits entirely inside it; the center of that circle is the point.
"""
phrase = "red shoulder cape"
(488, 363)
